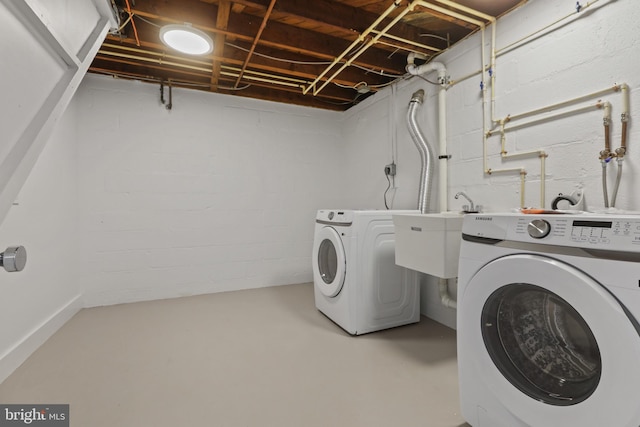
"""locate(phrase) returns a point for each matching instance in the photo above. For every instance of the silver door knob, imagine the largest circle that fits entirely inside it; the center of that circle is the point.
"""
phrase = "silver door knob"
(14, 258)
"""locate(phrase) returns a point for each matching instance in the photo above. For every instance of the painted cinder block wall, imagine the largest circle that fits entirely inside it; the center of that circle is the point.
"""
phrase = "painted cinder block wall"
(592, 50)
(218, 194)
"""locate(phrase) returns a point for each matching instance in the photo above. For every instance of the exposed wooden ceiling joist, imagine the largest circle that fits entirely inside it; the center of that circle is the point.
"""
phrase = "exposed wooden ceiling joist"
(275, 58)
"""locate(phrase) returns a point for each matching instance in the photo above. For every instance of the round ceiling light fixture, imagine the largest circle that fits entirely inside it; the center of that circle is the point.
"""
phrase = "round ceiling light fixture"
(186, 39)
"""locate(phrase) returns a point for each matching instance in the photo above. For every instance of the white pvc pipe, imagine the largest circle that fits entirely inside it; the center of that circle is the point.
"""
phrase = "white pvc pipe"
(624, 88)
(535, 33)
(446, 299)
(444, 161)
(356, 42)
(442, 123)
(562, 104)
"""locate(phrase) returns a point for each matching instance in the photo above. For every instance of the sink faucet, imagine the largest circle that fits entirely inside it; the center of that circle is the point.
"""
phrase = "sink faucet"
(470, 207)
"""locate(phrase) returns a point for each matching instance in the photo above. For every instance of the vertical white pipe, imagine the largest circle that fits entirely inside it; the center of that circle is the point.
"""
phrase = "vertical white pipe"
(625, 98)
(523, 174)
(543, 178)
(493, 74)
(446, 299)
(444, 161)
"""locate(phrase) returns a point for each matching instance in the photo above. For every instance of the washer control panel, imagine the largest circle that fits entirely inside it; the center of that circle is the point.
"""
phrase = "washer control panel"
(609, 232)
(586, 230)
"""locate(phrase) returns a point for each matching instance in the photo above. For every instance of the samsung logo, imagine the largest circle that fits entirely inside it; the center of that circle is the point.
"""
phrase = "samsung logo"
(484, 218)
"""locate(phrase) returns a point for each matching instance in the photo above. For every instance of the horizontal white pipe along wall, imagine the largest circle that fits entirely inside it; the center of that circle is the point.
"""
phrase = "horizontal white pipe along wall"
(217, 194)
(586, 53)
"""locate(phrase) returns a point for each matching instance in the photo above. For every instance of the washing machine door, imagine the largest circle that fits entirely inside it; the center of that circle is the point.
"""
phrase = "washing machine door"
(329, 262)
(554, 346)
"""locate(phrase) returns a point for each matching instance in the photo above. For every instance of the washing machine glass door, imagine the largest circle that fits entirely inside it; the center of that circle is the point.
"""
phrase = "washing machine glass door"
(330, 262)
(541, 344)
(546, 338)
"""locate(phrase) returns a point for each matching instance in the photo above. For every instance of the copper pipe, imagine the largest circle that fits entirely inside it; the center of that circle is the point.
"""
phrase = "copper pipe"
(623, 141)
(624, 117)
(606, 153)
(606, 120)
(255, 41)
(133, 24)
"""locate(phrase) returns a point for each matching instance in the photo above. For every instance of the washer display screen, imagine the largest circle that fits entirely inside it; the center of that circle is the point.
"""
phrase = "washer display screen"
(541, 344)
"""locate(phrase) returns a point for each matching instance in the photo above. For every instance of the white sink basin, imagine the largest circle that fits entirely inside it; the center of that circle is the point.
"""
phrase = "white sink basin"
(429, 243)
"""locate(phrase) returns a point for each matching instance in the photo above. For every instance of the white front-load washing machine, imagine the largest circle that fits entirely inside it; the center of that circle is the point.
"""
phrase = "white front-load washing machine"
(356, 281)
(548, 309)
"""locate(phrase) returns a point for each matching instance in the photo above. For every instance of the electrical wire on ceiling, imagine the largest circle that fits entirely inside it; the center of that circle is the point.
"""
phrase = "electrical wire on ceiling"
(275, 58)
(147, 21)
(290, 61)
(380, 72)
(435, 36)
(124, 24)
(428, 81)
(354, 101)
(362, 88)
(176, 83)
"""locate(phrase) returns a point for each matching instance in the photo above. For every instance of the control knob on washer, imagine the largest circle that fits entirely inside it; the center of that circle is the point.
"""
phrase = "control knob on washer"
(538, 228)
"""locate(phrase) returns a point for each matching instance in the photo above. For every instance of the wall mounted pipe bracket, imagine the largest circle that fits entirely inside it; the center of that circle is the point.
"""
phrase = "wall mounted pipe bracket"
(13, 258)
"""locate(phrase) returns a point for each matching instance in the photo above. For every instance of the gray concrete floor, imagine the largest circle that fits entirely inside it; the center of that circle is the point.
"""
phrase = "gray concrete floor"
(263, 357)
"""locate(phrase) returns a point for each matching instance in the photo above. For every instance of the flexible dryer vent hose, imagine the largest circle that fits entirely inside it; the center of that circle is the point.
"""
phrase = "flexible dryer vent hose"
(426, 155)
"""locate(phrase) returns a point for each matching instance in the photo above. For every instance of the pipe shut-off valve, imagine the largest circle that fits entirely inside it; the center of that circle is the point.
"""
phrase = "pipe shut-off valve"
(13, 258)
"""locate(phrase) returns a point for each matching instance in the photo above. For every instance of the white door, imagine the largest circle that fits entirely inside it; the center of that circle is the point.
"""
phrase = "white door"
(329, 262)
(552, 344)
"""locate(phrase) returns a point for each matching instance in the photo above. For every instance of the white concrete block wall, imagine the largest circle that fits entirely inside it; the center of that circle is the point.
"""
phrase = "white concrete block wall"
(218, 194)
(42, 297)
(592, 50)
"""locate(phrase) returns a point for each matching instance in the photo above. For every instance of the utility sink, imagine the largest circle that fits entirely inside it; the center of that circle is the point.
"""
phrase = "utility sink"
(429, 243)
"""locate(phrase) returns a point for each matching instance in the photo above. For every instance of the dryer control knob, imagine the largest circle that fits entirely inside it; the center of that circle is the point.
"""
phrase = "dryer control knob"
(538, 228)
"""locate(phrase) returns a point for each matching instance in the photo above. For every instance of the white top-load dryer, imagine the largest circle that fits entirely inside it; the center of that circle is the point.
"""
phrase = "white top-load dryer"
(548, 310)
(357, 283)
